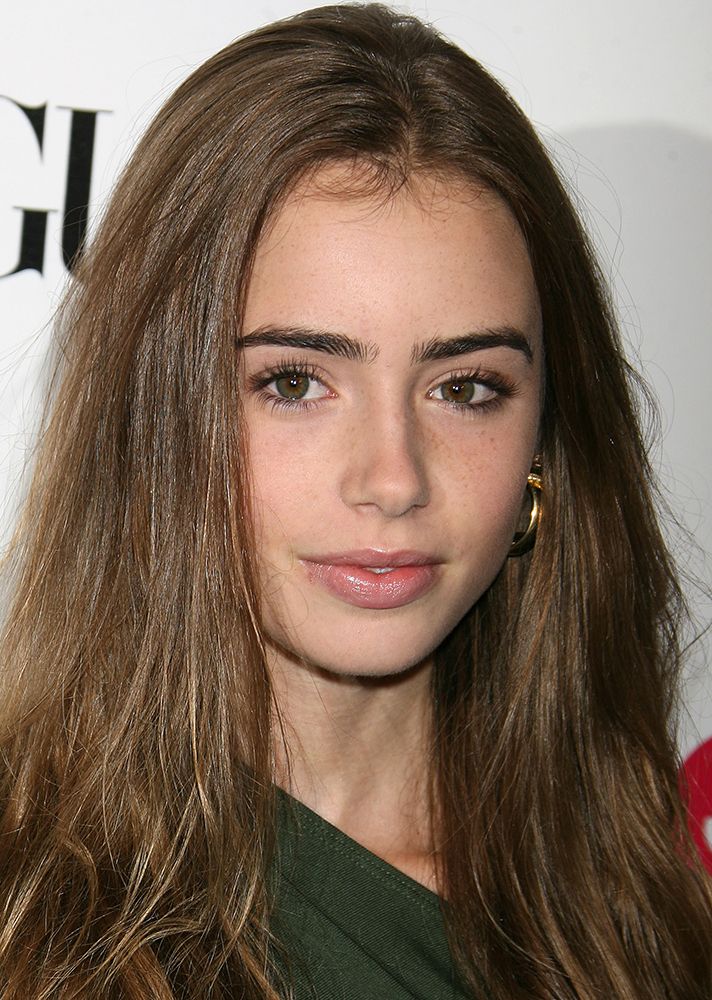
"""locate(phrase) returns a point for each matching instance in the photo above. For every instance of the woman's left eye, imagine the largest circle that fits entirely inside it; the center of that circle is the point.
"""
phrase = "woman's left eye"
(465, 392)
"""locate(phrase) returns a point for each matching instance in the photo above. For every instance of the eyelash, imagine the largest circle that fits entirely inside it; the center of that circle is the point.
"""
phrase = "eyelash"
(500, 384)
(258, 383)
(503, 387)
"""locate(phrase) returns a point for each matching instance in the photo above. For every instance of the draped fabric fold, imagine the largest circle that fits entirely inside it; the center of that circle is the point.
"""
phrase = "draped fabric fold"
(354, 927)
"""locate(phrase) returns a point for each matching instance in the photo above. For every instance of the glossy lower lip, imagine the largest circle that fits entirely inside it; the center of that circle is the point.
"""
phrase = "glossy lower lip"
(356, 585)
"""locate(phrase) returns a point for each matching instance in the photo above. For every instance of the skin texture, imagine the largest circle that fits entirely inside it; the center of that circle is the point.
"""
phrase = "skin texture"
(385, 455)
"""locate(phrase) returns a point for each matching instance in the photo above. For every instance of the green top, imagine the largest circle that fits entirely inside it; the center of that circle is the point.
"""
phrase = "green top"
(354, 927)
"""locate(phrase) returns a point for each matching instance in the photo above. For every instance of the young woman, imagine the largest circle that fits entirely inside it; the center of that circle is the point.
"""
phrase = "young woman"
(342, 649)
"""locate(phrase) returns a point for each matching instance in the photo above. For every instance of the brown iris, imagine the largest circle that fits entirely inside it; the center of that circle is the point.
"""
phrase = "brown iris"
(293, 386)
(458, 392)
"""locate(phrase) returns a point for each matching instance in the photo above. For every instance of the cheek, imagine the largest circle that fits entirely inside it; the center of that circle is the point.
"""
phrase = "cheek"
(287, 476)
(483, 478)
(483, 527)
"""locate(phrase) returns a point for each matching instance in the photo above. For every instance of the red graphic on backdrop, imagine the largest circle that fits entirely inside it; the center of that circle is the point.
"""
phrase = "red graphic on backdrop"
(697, 777)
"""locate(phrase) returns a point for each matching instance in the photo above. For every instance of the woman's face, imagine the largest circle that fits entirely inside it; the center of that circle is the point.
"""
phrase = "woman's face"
(392, 367)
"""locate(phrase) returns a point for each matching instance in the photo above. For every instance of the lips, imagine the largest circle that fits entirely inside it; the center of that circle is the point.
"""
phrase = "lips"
(370, 578)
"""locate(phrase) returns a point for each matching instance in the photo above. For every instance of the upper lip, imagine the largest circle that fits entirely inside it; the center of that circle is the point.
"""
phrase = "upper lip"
(375, 558)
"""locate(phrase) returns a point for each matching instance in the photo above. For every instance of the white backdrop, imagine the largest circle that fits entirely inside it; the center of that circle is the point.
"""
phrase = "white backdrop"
(622, 93)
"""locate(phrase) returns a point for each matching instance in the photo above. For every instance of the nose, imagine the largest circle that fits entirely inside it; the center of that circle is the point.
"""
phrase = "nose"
(385, 465)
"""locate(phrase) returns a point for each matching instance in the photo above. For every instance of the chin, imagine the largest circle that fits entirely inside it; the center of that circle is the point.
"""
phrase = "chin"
(379, 648)
(354, 667)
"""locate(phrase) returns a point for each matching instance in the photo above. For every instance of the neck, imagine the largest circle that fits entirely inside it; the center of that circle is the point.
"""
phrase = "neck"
(356, 751)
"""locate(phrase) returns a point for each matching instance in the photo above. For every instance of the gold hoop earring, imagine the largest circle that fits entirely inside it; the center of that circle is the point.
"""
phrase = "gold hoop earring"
(524, 540)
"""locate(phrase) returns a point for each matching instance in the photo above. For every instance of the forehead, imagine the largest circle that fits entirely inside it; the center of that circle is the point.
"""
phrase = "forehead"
(436, 255)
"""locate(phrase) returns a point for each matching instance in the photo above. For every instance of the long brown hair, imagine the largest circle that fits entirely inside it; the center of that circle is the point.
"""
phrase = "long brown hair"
(137, 804)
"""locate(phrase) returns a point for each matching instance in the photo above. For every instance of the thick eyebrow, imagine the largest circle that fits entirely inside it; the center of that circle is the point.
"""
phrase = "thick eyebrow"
(312, 340)
(435, 349)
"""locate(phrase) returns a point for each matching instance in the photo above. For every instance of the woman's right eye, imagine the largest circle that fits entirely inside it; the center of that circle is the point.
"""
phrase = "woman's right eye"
(289, 386)
(296, 386)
